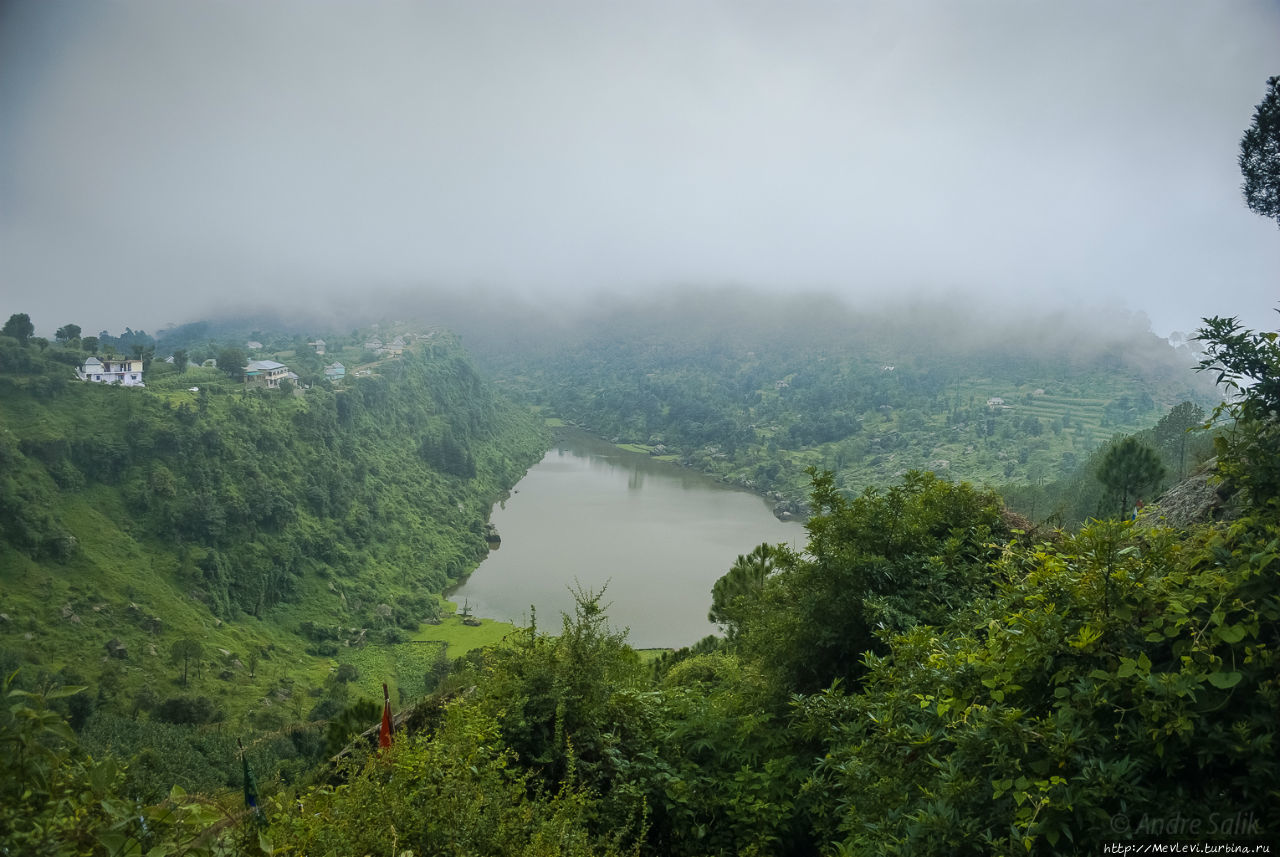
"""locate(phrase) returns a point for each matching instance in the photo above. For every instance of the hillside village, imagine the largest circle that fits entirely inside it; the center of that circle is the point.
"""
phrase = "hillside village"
(362, 352)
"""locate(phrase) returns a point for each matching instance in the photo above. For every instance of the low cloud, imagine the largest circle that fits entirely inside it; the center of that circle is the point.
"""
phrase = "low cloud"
(158, 161)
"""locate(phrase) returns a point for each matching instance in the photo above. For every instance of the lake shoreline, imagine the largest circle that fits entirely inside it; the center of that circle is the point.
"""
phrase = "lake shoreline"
(783, 509)
(593, 514)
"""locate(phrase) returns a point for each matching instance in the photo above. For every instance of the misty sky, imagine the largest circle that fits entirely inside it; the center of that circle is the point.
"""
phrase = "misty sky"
(161, 160)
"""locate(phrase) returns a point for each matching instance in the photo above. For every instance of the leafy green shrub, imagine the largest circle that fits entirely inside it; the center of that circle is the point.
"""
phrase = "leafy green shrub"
(886, 560)
(1115, 674)
(57, 800)
(457, 792)
(192, 710)
(346, 724)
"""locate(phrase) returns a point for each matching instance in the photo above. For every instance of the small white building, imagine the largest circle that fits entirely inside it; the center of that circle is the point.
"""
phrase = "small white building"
(335, 372)
(125, 371)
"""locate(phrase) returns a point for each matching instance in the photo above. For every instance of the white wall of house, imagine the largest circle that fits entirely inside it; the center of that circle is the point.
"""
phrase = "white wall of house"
(127, 372)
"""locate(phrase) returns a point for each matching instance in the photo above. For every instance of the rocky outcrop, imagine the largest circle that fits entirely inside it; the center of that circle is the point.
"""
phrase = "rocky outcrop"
(789, 510)
(1199, 498)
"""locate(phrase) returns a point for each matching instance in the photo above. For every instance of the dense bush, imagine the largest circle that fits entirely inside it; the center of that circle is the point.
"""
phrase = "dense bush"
(190, 710)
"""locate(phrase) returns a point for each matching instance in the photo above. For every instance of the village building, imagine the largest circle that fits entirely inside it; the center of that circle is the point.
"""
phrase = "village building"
(266, 373)
(335, 372)
(319, 346)
(125, 371)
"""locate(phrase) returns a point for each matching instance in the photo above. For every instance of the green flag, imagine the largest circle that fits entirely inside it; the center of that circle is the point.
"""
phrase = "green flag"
(250, 784)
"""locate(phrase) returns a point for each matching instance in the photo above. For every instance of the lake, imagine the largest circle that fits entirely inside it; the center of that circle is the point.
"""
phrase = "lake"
(657, 534)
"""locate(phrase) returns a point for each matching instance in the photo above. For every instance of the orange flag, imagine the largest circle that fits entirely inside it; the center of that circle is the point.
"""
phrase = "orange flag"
(384, 733)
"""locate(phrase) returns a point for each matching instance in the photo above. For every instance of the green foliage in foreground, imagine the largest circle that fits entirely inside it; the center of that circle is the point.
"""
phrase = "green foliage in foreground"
(458, 791)
(1120, 672)
(882, 562)
(1115, 673)
(57, 801)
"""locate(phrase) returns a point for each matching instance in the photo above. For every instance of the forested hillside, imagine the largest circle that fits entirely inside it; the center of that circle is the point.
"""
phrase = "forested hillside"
(200, 552)
(757, 389)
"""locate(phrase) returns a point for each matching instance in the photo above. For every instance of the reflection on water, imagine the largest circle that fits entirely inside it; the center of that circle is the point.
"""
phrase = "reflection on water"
(656, 534)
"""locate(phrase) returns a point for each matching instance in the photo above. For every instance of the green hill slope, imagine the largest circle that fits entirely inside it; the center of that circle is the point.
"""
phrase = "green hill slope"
(757, 389)
(284, 533)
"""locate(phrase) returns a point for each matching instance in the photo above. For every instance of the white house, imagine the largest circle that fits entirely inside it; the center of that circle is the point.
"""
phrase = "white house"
(267, 373)
(126, 371)
(335, 372)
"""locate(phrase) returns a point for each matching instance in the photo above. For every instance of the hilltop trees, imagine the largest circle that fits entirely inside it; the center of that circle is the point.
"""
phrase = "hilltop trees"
(67, 333)
(19, 326)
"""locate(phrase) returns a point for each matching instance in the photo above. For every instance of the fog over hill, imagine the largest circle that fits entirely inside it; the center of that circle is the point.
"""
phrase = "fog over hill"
(162, 161)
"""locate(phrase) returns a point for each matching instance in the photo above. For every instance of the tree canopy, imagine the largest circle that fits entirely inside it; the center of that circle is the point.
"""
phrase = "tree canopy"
(1247, 365)
(1127, 468)
(1260, 155)
(1171, 431)
(18, 326)
(232, 361)
(67, 332)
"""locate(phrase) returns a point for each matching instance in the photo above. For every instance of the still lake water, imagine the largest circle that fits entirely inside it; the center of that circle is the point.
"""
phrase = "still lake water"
(659, 535)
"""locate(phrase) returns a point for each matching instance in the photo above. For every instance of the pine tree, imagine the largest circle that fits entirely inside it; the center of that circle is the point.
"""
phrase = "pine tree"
(1128, 467)
(1260, 155)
